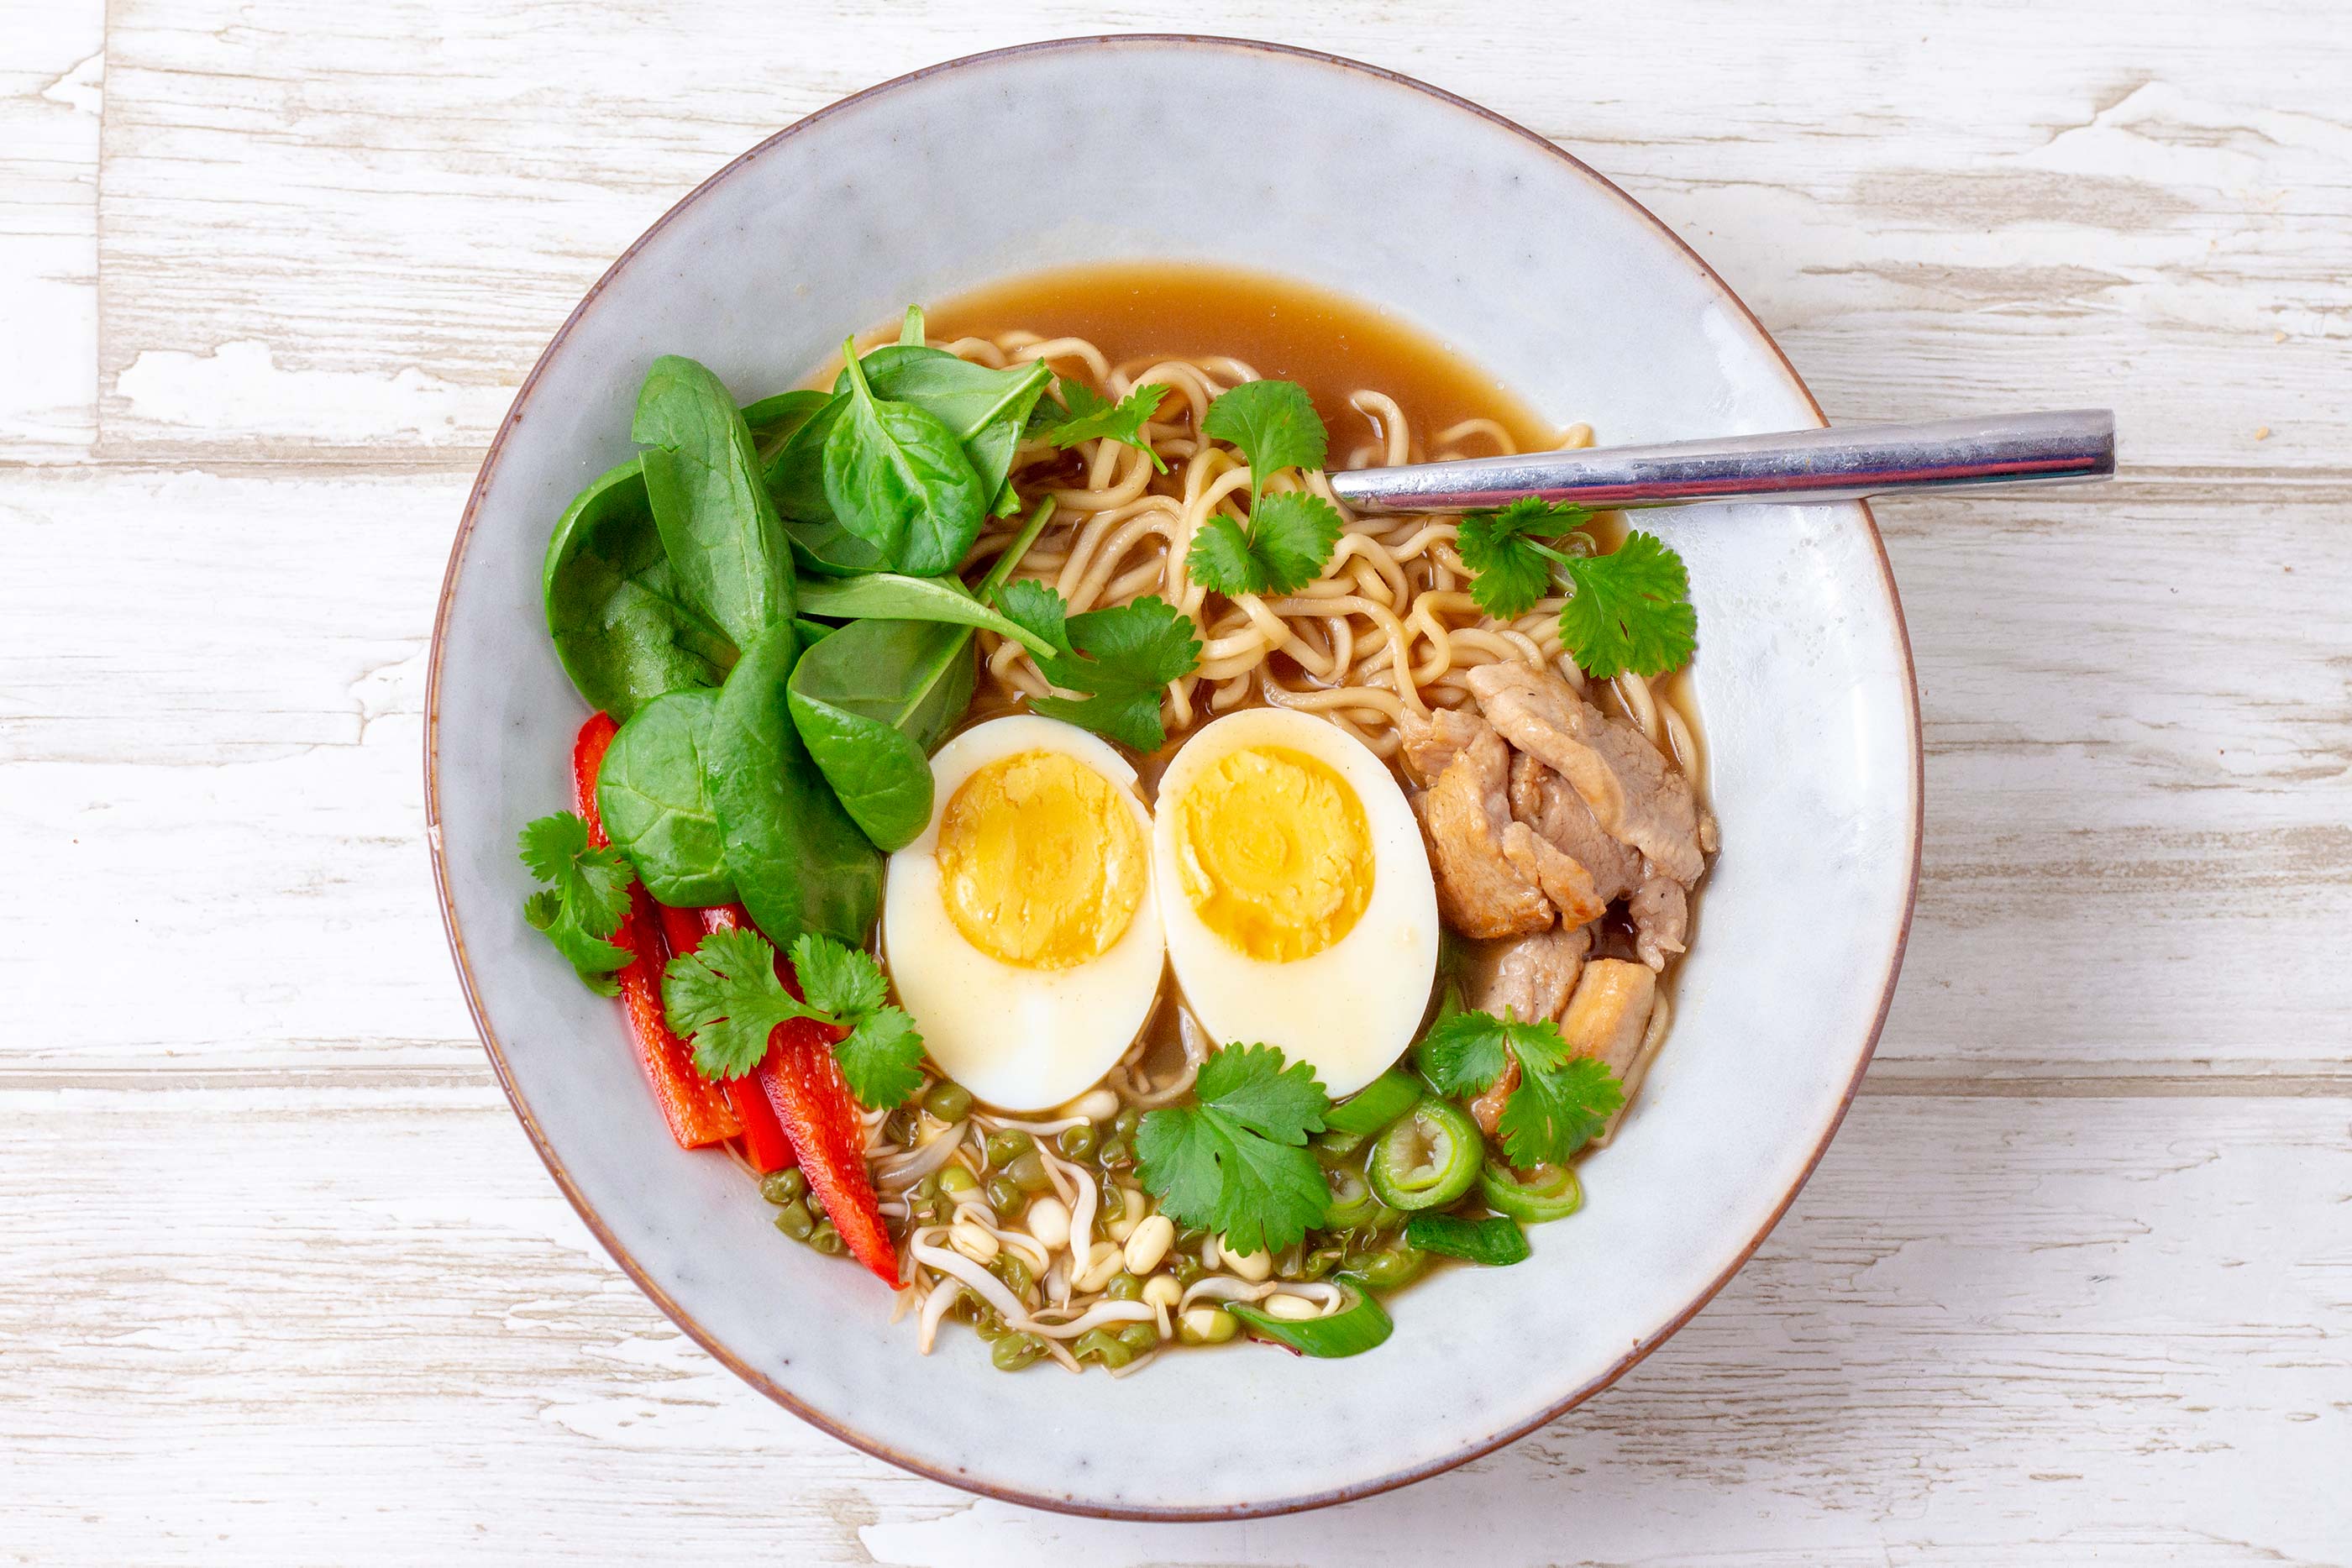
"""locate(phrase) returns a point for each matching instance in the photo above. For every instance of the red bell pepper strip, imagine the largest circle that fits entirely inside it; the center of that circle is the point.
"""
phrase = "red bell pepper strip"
(764, 1143)
(697, 1114)
(812, 1101)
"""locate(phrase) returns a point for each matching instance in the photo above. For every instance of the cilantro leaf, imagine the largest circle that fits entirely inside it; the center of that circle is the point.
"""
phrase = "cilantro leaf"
(1252, 1084)
(1132, 719)
(1630, 609)
(592, 882)
(1561, 1101)
(1280, 549)
(1556, 1111)
(585, 906)
(1087, 415)
(1511, 575)
(1117, 660)
(1463, 1053)
(882, 1058)
(836, 977)
(1035, 609)
(1146, 643)
(1274, 424)
(726, 997)
(1235, 1161)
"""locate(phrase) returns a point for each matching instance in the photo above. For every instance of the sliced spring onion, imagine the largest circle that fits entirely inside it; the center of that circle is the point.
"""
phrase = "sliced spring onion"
(1544, 1194)
(1428, 1157)
(1496, 1243)
(1355, 1328)
(1352, 1202)
(1375, 1106)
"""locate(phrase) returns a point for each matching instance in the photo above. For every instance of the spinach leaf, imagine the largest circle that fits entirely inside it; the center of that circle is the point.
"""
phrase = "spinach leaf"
(887, 596)
(624, 632)
(655, 806)
(796, 473)
(798, 862)
(774, 420)
(870, 702)
(988, 410)
(896, 477)
(726, 543)
(828, 549)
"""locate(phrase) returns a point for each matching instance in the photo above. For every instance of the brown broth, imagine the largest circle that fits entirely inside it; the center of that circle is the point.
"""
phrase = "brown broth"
(1331, 345)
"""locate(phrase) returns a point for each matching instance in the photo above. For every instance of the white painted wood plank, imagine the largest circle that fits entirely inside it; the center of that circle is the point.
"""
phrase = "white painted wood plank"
(286, 1283)
(52, 76)
(2138, 787)
(305, 255)
(314, 1324)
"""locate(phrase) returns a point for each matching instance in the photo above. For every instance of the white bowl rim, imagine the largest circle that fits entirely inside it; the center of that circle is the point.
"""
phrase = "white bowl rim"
(685, 1320)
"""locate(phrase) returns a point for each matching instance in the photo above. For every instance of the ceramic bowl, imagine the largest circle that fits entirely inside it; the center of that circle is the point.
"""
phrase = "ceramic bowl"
(1361, 182)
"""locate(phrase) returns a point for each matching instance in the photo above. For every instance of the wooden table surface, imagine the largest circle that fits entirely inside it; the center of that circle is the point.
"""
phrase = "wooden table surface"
(280, 1278)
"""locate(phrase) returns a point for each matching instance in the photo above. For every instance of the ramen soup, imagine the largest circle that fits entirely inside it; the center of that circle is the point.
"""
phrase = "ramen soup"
(1080, 869)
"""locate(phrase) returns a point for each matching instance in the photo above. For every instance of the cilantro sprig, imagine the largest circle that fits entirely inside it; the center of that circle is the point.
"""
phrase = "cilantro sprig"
(1288, 536)
(726, 997)
(1629, 609)
(1236, 1160)
(1274, 424)
(1086, 414)
(1117, 660)
(1280, 549)
(585, 904)
(1562, 1101)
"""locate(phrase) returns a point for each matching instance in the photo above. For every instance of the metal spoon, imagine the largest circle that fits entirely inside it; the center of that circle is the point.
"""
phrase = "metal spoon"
(1837, 465)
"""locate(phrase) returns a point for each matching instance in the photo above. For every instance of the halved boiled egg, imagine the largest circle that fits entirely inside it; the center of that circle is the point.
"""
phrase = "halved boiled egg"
(1020, 926)
(1297, 895)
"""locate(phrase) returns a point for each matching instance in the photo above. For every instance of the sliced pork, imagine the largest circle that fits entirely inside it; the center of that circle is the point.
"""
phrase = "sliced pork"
(1464, 814)
(1633, 794)
(1543, 800)
(1660, 910)
(1610, 1013)
(1528, 977)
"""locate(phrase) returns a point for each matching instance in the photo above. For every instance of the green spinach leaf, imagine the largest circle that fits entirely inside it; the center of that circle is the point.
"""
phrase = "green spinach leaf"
(798, 862)
(655, 806)
(986, 410)
(726, 543)
(625, 633)
(774, 420)
(896, 477)
(890, 596)
(870, 702)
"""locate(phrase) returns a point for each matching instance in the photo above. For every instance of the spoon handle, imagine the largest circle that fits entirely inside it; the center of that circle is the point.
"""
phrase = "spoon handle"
(1789, 466)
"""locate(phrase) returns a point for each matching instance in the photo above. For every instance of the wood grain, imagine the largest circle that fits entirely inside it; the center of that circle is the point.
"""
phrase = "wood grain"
(286, 1283)
(343, 1323)
(311, 258)
(52, 79)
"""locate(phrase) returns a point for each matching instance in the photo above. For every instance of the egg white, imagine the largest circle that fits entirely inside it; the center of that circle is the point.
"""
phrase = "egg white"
(1019, 1039)
(1350, 1009)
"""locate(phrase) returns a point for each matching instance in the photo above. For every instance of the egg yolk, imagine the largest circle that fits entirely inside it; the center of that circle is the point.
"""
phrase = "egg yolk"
(1041, 863)
(1273, 853)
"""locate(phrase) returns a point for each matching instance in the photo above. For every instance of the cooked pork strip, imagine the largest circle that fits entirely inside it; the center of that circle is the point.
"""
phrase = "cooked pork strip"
(1661, 915)
(1564, 880)
(1528, 977)
(1431, 742)
(1609, 1012)
(1463, 815)
(1635, 796)
(1543, 800)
